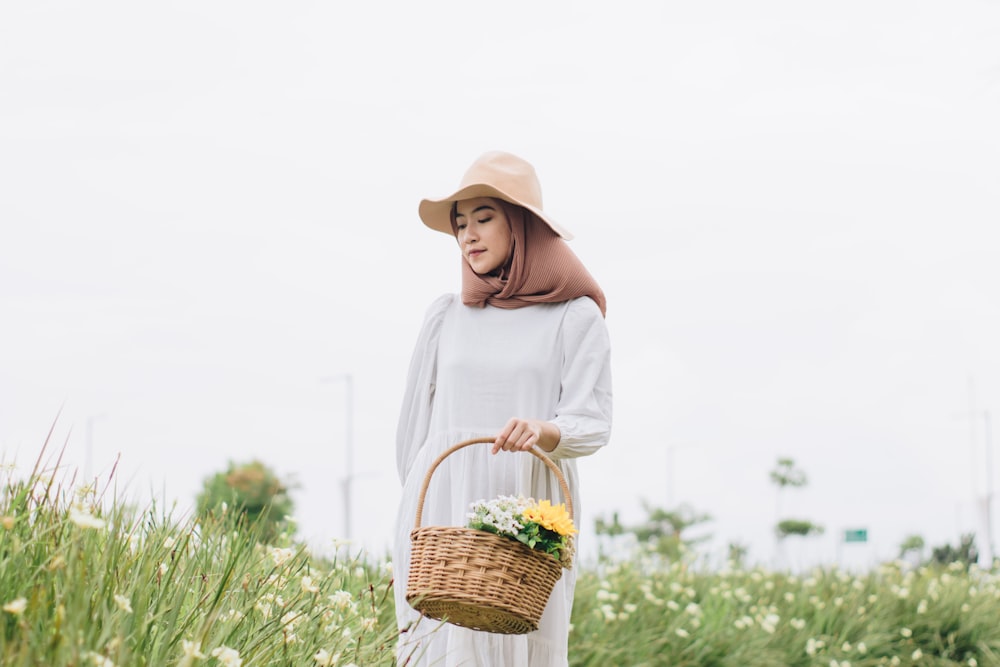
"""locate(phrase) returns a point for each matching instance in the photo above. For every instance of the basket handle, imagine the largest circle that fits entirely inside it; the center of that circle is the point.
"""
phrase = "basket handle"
(475, 441)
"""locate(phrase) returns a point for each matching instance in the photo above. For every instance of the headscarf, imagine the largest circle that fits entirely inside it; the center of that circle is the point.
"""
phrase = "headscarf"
(540, 268)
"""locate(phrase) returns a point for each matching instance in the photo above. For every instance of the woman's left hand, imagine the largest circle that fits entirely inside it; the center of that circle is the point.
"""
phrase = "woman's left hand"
(520, 435)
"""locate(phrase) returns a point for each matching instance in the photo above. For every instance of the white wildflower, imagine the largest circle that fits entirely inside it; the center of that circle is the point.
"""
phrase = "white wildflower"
(123, 603)
(340, 599)
(681, 632)
(606, 596)
(324, 658)
(308, 586)
(281, 556)
(229, 657)
(16, 606)
(84, 519)
(192, 652)
(99, 660)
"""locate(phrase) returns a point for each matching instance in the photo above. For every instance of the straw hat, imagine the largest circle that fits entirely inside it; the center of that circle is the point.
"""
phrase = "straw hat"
(495, 174)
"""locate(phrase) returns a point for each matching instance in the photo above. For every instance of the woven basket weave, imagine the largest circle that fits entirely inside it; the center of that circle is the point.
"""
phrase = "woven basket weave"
(476, 579)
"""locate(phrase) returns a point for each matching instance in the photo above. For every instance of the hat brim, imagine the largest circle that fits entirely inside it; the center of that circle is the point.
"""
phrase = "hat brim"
(436, 213)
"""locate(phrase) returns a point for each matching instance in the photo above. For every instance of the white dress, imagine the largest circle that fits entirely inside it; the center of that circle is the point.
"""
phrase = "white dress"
(472, 370)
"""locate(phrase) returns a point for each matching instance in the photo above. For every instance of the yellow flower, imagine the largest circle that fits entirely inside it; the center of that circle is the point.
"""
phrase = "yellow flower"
(551, 517)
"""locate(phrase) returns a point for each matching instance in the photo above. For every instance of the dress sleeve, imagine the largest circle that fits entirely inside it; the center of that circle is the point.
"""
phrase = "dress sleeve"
(584, 411)
(414, 417)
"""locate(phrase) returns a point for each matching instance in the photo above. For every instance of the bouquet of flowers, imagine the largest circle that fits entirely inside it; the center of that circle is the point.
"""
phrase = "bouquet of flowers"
(539, 525)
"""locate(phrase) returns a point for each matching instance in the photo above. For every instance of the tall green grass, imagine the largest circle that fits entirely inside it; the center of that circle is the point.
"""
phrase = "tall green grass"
(642, 612)
(86, 580)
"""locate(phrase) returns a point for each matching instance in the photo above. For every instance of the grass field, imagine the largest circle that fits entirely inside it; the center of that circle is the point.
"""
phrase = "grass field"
(85, 580)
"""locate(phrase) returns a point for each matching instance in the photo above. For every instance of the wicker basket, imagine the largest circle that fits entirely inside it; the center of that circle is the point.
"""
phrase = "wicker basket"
(476, 579)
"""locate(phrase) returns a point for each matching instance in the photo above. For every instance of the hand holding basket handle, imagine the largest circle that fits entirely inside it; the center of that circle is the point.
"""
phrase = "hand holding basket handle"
(477, 579)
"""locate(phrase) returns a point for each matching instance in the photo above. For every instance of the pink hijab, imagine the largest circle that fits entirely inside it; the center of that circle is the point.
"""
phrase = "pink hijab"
(541, 269)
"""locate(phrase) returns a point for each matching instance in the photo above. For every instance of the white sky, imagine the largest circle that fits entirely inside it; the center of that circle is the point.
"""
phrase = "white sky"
(208, 207)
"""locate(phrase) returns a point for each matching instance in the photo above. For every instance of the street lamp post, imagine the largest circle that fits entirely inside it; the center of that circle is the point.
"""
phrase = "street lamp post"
(348, 478)
(988, 435)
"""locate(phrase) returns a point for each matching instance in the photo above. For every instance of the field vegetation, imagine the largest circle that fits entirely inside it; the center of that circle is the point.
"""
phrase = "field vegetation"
(87, 580)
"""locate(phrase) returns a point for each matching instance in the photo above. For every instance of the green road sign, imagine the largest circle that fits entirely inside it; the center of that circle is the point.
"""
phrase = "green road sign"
(856, 535)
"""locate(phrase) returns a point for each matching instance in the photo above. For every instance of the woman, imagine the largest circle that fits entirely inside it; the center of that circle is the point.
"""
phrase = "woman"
(522, 357)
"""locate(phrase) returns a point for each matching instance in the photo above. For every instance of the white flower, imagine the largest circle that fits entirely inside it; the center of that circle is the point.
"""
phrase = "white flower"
(906, 632)
(99, 660)
(797, 623)
(340, 599)
(916, 655)
(681, 632)
(229, 657)
(84, 519)
(123, 603)
(281, 556)
(16, 606)
(233, 614)
(324, 658)
(922, 607)
(308, 586)
(192, 652)
(368, 623)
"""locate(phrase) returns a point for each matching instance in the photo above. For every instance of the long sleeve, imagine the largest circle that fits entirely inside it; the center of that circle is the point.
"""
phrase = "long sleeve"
(414, 417)
(583, 414)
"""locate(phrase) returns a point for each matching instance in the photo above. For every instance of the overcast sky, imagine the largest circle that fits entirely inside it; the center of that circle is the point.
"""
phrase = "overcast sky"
(208, 215)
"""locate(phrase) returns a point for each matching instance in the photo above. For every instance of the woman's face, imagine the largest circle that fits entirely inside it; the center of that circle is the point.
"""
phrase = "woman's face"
(483, 233)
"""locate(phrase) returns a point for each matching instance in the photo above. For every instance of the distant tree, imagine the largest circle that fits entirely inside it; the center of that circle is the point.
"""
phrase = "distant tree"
(611, 528)
(250, 495)
(738, 554)
(665, 531)
(797, 527)
(786, 475)
(913, 544)
(965, 553)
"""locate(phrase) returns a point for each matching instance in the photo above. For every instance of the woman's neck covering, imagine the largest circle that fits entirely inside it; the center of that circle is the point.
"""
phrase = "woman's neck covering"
(541, 268)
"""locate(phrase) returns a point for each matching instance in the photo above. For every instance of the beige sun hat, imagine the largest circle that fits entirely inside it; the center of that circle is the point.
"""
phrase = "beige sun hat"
(494, 174)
